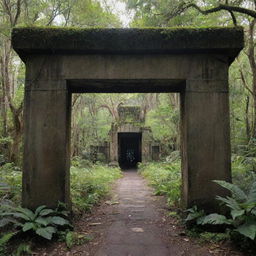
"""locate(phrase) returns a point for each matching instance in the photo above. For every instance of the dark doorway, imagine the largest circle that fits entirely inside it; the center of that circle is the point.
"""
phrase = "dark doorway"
(129, 149)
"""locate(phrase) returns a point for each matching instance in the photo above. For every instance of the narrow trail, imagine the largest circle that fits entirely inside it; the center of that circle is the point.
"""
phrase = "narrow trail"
(134, 231)
(134, 223)
(139, 227)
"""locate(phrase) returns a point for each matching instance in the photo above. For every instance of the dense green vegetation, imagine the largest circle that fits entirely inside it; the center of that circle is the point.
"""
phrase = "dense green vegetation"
(240, 221)
(165, 178)
(92, 114)
(89, 184)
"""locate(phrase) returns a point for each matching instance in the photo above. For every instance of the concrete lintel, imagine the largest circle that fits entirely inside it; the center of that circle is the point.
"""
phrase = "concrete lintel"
(46, 85)
(41, 40)
(207, 86)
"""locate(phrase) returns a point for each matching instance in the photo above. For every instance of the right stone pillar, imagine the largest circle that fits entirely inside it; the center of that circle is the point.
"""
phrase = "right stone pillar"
(205, 144)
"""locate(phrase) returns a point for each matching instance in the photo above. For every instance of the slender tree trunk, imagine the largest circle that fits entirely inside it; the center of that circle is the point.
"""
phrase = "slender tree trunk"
(251, 57)
(247, 120)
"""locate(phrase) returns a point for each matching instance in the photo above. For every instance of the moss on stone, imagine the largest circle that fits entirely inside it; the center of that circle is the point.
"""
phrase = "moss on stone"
(136, 40)
(129, 114)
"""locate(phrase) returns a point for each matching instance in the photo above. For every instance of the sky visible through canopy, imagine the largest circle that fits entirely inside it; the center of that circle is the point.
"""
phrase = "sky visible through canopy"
(119, 8)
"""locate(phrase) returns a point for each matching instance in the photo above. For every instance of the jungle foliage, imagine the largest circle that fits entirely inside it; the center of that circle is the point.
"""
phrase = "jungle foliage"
(165, 178)
(239, 222)
(90, 183)
(93, 114)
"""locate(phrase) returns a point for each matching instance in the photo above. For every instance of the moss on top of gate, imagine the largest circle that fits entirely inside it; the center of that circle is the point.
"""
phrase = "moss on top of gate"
(135, 40)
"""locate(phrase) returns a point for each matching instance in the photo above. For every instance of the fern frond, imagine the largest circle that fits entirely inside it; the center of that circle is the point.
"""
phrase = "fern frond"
(229, 202)
(237, 193)
(252, 194)
(213, 218)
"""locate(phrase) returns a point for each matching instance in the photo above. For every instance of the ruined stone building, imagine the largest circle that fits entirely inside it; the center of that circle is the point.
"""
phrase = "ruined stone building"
(130, 141)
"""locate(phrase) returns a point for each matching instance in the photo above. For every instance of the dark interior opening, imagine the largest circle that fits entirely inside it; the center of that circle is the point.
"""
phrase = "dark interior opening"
(129, 150)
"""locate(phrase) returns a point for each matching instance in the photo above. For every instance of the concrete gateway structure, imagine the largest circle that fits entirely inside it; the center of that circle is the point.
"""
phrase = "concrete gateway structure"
(193, 62)
(130, 141)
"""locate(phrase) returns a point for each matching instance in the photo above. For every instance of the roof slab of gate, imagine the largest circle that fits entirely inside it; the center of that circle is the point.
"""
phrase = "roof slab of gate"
(42, 40)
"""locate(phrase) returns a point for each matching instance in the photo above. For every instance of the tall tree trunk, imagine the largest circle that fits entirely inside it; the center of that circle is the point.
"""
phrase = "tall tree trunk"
(251, 57)
(247, 120)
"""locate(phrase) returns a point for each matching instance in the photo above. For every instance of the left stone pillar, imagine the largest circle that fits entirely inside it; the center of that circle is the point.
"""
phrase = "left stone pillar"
(46, 143)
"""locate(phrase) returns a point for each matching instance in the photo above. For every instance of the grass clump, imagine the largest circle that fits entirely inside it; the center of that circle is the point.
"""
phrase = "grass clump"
(10, 183)
(165, 178)
(90, 184)
(243, 171)
(73, 238)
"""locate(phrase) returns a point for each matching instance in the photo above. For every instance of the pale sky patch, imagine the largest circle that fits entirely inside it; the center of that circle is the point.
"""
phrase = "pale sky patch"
(119, 8)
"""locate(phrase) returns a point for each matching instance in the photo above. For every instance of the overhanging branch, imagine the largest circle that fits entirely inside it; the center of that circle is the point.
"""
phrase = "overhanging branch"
(220, 7)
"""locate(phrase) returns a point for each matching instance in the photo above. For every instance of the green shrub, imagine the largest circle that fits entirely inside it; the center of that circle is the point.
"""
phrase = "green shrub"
(89, 185)
(23, 249)
(165, 178)
(4, 239)
(74, 238)
(42, 222)
(213, 237)
(81, 163)
(10, 183)
(242, 211)
(243, 171)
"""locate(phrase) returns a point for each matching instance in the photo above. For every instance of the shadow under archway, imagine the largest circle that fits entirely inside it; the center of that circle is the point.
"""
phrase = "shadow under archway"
(129, 150)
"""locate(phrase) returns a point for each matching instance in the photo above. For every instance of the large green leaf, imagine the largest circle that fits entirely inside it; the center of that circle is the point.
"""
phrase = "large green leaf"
(27, 226)
(45, 212)
(237, 213)
(230, 202)
(248, 229)
(21, 216)
(253, 211)
(42, 221)
(213, 218)
(39, 209)
(59, 221)
(8, 220)
(27, 212)
(46, 232)
(237, 193)
(252, 194)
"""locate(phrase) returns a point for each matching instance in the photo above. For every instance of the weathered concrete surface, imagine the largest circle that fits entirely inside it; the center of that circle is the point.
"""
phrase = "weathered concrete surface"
(135, 230)
(45, 40)
(206, 142)
(46, 148)
(197, 68)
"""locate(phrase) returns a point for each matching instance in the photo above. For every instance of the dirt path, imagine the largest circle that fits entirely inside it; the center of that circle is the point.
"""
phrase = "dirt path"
(134, 230)
(139, 227)
(134, 223)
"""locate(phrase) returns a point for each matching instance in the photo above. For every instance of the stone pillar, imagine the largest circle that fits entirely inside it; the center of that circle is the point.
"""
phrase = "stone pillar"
(113, 146)
(146, 145)
(205, 141)
(46, 144)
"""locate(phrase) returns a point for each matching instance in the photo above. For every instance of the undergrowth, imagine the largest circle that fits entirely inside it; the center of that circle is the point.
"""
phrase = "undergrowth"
(243, 171)
(90, 184)
(165, 177)
(10, 183)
